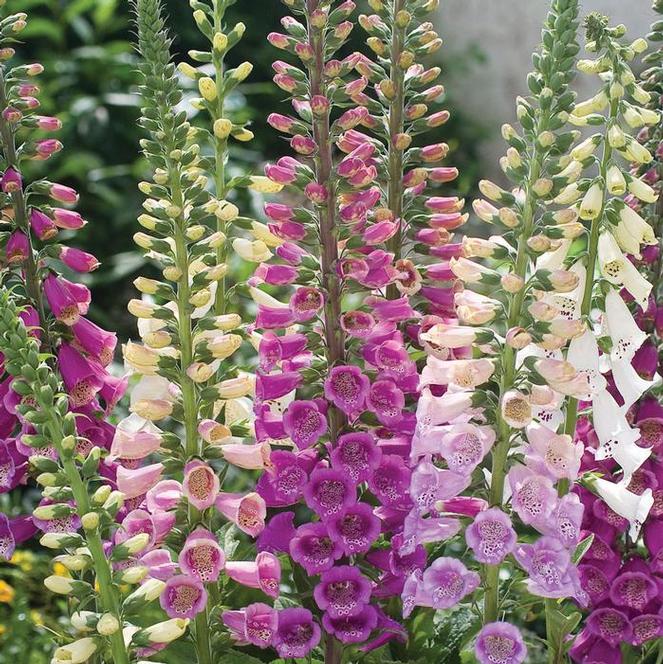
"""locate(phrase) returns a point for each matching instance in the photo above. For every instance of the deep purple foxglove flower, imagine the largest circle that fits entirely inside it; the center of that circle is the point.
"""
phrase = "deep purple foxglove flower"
(315, 548)
(304, 423)
(342, 591)
(352, 629)
(277, 534)
(633, 590)
(347, 388)
(328, 492)
(491, 536)
(356, 455)
(14, 531)
(611, 625)
(297, 633)
(183, 597)
(356, 528)
(284, 483)
(256, 624)
(500, 643)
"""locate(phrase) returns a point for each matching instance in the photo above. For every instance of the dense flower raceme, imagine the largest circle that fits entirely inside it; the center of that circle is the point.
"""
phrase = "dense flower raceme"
(622, 584)
(335, 380)
(187, 337)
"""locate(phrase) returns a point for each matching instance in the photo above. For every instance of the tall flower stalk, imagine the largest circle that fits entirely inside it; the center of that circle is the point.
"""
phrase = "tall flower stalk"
(185, 331)
(620, 583)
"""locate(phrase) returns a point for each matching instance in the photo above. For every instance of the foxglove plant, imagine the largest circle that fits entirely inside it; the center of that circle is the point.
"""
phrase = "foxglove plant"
(335, 379)
(619, 580)
(505, 399)
(56, 429)
(186, 338)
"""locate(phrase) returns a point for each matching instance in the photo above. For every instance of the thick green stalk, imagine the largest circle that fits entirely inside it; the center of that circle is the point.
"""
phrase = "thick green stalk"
(396, 115)
(32, 281)
(501, 449)
(220, 158)
(104, 581)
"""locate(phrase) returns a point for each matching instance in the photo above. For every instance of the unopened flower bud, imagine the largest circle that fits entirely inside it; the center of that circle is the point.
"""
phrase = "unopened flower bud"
(518, 338)
(511, 282)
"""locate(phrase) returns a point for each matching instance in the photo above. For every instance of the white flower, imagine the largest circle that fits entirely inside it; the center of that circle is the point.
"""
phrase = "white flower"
(583, 354)
(617, 440)
(76, 652)
(627, 504)
(624, 333)
(166, 631)
(618, 270)
(630, 385)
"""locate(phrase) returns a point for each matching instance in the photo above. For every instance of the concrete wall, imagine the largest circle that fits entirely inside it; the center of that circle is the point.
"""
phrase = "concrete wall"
(503, 34)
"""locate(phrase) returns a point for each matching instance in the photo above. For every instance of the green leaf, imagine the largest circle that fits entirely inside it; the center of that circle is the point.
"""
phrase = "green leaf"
(582, 548)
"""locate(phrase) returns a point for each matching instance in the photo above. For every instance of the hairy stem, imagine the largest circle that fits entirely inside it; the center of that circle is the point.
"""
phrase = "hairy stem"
(395, 163)
(501, 449)
(104, 581)
(32, 280)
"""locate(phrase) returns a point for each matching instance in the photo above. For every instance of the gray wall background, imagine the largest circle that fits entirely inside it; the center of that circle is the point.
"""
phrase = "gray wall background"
(488, 46)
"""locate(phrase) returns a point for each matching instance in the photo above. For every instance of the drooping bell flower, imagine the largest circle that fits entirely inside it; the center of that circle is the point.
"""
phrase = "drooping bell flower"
(183, 597)
(264, 572)
(255, 624)
(246, 511)
(200, 484)
(202, 556)
(297, 633)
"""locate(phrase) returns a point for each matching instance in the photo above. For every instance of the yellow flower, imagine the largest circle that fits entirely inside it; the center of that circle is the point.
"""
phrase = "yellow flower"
(23, 559)
(3, 629)
(6, 592)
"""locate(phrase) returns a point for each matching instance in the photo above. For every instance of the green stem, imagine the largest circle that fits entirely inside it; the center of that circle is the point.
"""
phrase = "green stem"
(104, 580)
(396, 125)
(184, 308)
(32, 280)
(501, 449)
(220, 158)
(333, 650)
(203, 646)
